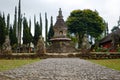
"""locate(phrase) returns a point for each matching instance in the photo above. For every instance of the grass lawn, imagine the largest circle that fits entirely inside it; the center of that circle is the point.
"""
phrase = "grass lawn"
(10, 64)
(110, 63)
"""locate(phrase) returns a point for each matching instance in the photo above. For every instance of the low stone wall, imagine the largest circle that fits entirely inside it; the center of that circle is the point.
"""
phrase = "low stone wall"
(91, 55)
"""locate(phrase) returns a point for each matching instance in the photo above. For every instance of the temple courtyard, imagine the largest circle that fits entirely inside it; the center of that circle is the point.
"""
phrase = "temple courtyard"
(61, 69)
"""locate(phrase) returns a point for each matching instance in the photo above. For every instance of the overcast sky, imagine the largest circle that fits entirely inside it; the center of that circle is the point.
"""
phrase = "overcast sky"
(108, 9)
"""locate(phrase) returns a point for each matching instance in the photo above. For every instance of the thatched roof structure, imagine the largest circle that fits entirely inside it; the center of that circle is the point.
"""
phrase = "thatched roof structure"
(109, 37)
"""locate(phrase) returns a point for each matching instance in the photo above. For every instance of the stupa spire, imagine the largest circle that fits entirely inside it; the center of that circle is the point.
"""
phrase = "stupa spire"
(59, 14)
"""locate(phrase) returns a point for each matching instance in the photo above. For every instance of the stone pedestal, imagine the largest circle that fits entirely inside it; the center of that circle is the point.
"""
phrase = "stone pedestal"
(7, 46)
(61, 47)
(85, 45)
(40, 46)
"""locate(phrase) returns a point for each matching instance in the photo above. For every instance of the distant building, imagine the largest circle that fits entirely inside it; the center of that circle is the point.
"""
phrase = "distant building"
(111, 41)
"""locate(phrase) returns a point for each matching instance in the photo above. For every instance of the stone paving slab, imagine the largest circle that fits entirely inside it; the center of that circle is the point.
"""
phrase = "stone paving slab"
(61, 69)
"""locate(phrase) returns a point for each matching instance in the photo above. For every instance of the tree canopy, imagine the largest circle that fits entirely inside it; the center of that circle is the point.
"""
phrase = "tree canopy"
(85, 21)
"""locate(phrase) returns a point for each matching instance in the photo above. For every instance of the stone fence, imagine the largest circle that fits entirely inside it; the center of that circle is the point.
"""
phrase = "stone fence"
(91, 55)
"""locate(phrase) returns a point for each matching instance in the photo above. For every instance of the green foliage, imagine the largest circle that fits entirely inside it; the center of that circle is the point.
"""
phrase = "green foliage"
(12, 36)
(2, 30)
(85, 21)
(8, 23)
(51, 31)
(46, 29)
(40, 25)
(36, 34)
(37, 30)
(27, 37)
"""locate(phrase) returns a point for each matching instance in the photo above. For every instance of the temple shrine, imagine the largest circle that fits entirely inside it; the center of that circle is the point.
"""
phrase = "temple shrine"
(60, 42)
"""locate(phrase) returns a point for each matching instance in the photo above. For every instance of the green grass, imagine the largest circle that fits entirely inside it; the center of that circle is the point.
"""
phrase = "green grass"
(110, 63)
(11, 64)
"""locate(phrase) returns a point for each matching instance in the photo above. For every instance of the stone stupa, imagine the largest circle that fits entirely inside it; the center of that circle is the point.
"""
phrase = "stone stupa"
(60, 42)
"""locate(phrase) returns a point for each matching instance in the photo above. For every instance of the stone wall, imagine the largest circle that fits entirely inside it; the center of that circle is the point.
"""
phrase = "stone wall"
(61, 47)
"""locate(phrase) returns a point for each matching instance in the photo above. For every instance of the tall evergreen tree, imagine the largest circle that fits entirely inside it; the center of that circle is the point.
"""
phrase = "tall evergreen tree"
(13, 38)
(46, 29)
(40, 24)
(8, 23)
(106, 30)
(36, 34)
(15, 28)
(19, 23)
(26, 32)
(4, 23)
(51, 32)
(34, 22)
(31, 37)
(2, 31)
(30, 25)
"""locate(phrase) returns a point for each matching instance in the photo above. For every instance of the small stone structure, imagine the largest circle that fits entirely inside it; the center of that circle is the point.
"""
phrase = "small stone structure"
(40, 46)
(60, 42)
(7, 46)
(85, 44)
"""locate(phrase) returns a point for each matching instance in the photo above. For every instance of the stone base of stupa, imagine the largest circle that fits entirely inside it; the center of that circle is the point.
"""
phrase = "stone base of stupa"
(61, 47)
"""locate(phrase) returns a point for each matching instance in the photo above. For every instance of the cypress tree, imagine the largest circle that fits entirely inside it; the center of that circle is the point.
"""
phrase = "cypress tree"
(30, 25)
(36, 34)
(13, 38)
(8, 23)
(19, 22)
(2, 31)
(40, 25)
(14, 35)
(46, 29)
(15, 28)
(51, 32)
(31, 37)
(26, 32)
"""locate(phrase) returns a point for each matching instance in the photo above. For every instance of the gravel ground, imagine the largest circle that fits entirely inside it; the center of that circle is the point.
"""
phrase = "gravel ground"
(61, 69)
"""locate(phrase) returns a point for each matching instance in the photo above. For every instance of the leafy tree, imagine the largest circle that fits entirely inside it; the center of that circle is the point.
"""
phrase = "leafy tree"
(51, 31)
(2, 31)
(85, 21)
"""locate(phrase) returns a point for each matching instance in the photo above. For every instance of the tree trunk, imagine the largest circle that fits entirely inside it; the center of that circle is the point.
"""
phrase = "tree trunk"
(80, 36)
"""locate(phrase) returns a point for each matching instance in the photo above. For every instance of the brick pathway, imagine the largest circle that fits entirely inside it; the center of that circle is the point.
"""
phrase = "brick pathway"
(61, 69)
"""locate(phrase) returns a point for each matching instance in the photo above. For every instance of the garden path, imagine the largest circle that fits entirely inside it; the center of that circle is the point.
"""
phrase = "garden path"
(61, 69)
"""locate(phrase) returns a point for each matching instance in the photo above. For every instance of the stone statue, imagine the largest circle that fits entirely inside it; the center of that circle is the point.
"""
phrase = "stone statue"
(85, 44)
(7, 46)
(40, 46)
